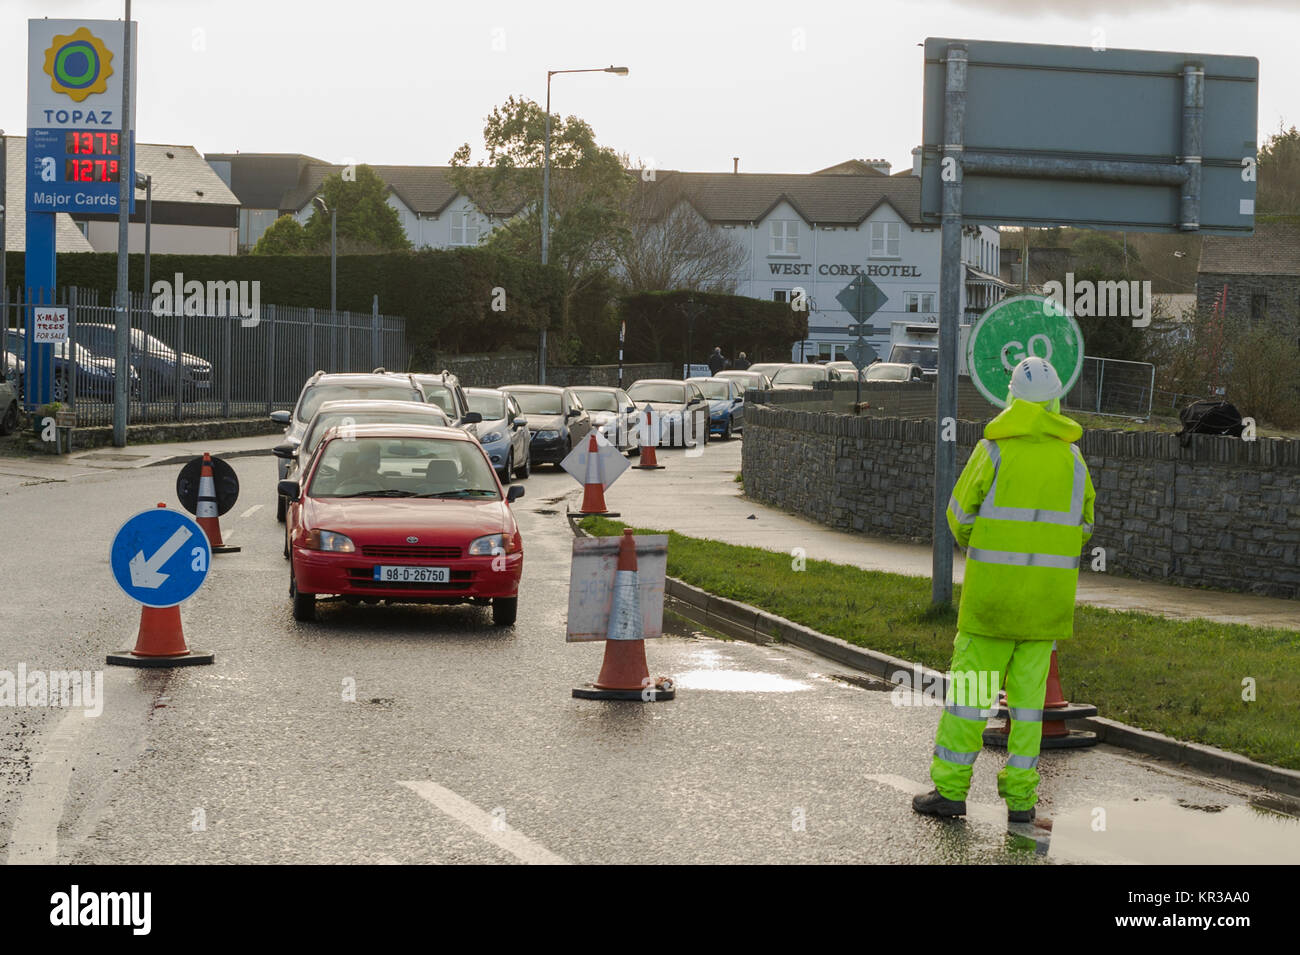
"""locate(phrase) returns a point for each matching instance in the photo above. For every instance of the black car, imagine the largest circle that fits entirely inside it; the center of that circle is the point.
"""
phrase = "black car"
(557, 420)
(94, 374)
(156, 364)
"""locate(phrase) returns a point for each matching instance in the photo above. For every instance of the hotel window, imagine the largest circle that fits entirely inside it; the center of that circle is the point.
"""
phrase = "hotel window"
(918, 302)
(784, 235)
(463, 231)
(885, 240)
(781, 295)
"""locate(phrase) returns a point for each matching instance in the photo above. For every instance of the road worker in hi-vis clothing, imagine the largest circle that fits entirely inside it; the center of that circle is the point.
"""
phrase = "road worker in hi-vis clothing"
(1022, 509)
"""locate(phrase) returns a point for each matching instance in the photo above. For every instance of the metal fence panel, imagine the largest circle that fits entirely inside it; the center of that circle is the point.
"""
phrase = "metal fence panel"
(1109, 386)
(198, 365)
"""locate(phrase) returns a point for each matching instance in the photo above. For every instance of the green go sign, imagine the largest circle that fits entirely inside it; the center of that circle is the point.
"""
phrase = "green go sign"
(1013, 330)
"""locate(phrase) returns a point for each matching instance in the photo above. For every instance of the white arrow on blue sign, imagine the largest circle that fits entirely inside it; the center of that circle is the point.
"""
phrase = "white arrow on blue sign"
(160, 557)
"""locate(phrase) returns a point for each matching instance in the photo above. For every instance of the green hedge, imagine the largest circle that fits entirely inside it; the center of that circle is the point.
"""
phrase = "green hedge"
(446, 296)
(656, 327)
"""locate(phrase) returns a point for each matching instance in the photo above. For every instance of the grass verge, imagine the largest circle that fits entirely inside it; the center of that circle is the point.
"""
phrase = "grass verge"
(1183, 678)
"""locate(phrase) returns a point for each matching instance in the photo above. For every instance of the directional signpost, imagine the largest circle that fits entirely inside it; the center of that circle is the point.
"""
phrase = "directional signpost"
(1013, 330)
(861, 298)
(1133, 140)
(160, 558)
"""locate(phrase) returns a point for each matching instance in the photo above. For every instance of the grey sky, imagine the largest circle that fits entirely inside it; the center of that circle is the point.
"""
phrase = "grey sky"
(787, 87)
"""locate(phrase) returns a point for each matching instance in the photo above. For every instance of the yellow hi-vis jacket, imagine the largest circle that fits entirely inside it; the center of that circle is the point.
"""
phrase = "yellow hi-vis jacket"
(1022, 509)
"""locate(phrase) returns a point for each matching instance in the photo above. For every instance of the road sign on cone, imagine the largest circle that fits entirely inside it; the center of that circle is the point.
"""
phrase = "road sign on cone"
(1056, 710)
(649, 441)
(160, 558)
(597, 464)
(207, 487)
(624, 673)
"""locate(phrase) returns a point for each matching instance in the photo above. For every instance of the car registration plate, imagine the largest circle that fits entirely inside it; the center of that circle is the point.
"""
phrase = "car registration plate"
(413, 575)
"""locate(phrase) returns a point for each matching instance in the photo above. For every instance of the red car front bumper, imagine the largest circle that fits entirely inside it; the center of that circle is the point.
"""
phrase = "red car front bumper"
(352, 575)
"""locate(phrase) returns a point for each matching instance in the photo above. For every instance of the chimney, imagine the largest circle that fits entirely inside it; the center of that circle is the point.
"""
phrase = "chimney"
(880, 165)
(735, 164)
(916, 161)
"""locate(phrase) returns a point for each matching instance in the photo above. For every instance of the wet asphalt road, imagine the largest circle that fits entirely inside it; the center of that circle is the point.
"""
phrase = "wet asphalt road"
(464, 744)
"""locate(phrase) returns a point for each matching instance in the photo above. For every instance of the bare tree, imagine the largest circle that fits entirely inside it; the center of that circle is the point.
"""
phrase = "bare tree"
(669, 245)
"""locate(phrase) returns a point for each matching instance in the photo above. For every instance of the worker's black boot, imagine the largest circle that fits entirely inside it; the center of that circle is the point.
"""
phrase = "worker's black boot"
(934, 803)
(1021, 815)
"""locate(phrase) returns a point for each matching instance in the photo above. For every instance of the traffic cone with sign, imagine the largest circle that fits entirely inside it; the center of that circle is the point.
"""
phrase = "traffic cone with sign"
(648, 461)
(206, 515)
(624, 674)
(160, 641)
(1056, 710)
(593, 485)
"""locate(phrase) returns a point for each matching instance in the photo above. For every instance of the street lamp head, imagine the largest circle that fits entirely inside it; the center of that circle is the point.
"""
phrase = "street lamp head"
(319, 202)
(619, 70)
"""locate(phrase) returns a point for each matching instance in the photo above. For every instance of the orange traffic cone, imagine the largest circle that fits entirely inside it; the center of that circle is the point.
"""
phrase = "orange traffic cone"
(593, 484)
(624, 674)
(1056, 710)
(206, 515)
(160, 642)
(647, 460)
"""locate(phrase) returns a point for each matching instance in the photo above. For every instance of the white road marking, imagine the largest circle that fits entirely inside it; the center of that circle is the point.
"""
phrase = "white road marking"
(251, 511)
(34, 839)
(483, 823)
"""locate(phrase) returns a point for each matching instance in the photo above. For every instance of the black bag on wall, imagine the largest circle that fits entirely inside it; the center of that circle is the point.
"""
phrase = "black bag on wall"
(1209, 417)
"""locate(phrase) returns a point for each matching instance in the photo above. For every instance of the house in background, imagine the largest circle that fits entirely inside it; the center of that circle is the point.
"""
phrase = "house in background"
(260, 181)
(1260, 272)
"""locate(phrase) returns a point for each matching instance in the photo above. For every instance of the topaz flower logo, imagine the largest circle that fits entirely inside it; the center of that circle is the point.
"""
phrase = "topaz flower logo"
(79, 65)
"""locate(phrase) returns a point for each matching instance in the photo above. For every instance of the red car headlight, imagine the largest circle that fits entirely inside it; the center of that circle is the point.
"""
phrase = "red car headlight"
(492, 544)
(328, 541)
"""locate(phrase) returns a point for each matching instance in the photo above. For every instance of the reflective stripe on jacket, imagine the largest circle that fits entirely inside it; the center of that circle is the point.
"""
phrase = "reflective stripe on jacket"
(1022, 508)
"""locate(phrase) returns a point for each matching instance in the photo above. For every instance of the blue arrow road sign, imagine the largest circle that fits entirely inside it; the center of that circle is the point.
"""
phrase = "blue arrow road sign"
(160, 557)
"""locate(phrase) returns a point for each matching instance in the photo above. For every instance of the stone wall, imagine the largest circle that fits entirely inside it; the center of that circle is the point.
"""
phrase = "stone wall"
(1221, 513)
(1283, 293)
(520, 368)
(606, 375)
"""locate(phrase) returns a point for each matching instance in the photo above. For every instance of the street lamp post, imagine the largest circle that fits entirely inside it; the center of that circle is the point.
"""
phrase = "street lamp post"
(146, 183)
(334, 258)
(546, 197)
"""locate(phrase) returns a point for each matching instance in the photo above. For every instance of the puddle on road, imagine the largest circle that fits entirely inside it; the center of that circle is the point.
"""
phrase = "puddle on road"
(1161, 831)
(713, 672)
(738, 681)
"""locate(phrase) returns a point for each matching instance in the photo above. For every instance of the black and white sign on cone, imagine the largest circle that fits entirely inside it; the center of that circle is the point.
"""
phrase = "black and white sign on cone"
(624, 674)
(597, 464)
(207, 487)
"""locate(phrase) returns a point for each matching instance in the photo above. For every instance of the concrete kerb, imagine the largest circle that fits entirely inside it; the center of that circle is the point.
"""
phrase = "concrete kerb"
(744, 622)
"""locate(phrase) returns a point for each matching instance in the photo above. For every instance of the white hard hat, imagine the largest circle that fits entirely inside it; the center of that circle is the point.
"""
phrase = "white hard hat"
(1034, 379)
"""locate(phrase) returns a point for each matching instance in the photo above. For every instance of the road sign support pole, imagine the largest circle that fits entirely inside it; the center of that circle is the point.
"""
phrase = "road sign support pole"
(126, 185)
(39, 266)
(1189, 206)
(950, 266)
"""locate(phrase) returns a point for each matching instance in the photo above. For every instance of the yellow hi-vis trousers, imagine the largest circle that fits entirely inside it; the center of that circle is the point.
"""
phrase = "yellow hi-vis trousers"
(980, 667)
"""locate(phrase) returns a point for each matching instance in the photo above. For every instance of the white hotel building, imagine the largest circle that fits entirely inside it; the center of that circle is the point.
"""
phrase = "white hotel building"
(810, 231)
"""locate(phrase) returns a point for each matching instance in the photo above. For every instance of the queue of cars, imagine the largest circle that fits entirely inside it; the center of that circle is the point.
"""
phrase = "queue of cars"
(395, 487)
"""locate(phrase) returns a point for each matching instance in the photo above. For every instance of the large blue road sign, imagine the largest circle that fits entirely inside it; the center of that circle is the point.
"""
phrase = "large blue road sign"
(160, 557)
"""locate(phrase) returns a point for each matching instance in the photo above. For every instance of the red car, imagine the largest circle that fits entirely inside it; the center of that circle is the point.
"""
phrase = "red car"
(403, 514)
